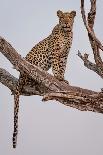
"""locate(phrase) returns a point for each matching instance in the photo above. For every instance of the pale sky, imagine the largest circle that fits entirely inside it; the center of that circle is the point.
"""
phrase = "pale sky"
(49, 128)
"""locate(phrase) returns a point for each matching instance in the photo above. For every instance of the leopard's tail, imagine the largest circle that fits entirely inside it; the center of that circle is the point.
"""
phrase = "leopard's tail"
(21, 83)
(16, 110)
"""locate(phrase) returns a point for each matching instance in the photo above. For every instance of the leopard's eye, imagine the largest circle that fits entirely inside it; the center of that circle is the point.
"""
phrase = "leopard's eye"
(61, 18)
(70, 17)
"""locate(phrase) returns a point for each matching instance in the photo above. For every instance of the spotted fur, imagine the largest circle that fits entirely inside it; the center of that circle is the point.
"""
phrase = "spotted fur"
(50, 52)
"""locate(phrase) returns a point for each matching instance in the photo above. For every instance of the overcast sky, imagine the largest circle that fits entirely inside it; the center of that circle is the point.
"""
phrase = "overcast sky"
(49, 128)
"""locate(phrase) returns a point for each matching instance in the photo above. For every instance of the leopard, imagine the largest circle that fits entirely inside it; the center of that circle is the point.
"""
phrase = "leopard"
(51, 52)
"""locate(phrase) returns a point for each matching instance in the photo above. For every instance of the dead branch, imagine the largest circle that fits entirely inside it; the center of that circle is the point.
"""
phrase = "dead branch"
(47, 84)
(91, 17)
(90, 65)
(79, 101)
(11, 82)
(95, 43)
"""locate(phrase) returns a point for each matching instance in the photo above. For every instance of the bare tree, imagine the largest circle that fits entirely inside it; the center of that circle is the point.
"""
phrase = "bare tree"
(47, 85)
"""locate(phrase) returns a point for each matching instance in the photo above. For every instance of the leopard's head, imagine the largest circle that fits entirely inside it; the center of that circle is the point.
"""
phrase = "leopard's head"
(66, 19)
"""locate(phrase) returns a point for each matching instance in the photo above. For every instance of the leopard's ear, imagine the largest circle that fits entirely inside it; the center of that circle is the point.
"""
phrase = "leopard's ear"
(59, 13)
(73, 13)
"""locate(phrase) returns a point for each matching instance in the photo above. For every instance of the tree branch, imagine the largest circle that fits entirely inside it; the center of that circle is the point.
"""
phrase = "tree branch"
(47, 84)
(78, 100)
(90, 65)
(11, 82)
(95, 43)
(91, 17)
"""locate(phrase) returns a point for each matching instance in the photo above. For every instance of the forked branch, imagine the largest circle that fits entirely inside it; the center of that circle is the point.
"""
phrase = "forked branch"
(95, 43)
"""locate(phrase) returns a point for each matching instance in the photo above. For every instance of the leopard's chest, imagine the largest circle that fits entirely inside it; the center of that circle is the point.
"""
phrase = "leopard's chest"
(65, 42)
